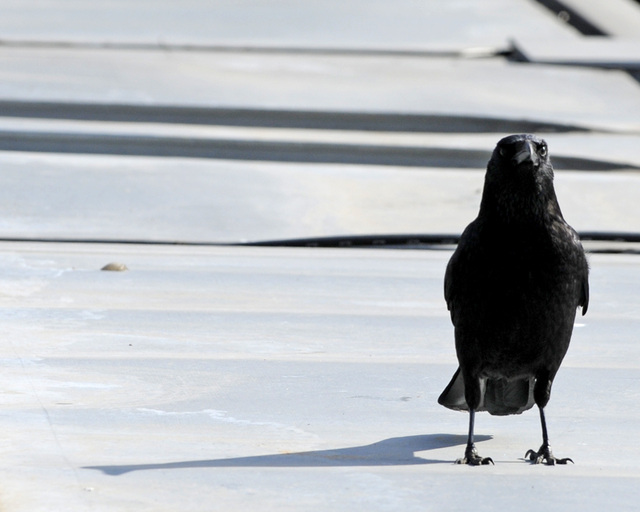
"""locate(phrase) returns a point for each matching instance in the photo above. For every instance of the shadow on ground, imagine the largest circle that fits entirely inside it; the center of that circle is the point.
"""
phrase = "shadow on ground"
(397, 451)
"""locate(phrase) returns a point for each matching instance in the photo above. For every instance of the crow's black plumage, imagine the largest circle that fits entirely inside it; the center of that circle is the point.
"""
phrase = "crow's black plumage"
(512, 287)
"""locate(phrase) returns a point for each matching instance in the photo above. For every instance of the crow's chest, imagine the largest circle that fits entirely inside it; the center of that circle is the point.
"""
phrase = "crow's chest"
(525, 279)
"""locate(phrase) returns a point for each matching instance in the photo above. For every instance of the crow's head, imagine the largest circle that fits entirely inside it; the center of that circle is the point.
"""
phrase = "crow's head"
(519, 176)
(520, 155)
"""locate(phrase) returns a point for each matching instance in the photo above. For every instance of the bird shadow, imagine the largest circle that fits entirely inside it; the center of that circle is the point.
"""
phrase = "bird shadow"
(396, 451)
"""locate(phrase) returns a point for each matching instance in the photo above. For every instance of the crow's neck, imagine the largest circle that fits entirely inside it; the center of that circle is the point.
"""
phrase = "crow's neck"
(519, 207)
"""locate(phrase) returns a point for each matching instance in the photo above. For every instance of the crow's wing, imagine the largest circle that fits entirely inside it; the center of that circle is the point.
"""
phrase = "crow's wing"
(458, 268)
(584, 295)
(583, 301)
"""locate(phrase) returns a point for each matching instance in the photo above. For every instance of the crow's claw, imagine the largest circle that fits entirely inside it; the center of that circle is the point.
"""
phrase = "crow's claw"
(471, 458)
(475, 461)
(544, 456)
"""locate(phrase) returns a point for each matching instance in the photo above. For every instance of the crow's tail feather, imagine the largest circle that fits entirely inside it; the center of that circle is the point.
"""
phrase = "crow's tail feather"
(498, 396)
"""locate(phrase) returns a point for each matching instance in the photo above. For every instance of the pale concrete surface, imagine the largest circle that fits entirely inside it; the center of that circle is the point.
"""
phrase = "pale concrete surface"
(286, 379)
(331, 24)
(576, 149)
(490, 87)
(618, 18)
(610, 53)
(191, 200)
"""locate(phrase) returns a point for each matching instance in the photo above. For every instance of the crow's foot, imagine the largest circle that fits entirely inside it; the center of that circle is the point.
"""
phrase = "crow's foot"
(544, 456)
(472, 458)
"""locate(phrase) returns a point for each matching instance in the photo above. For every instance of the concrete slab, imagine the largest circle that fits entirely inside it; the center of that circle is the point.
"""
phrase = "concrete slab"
(491, 88)
(599, 52)
(238, 378)
(617, 18)
(191, 200)
(330, 24)
(407, 146)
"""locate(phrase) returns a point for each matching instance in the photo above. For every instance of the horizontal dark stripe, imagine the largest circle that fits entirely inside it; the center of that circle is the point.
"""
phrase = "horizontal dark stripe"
(278, 118)
(153, 46)
(274, 151)
(410, 241)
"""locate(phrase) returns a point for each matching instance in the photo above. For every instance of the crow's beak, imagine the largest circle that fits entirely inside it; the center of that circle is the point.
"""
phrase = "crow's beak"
(525, 153)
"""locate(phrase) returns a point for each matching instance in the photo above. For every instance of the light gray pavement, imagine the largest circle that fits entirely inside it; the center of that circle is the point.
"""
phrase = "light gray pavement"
(192, 200)
(286, 379)
(232, 378)
(487, 87)
(403, 25)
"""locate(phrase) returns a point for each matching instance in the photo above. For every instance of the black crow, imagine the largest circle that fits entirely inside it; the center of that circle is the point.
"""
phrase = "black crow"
(512, 287)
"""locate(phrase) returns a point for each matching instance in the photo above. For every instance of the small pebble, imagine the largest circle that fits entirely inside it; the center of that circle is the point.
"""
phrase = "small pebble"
(114, 266)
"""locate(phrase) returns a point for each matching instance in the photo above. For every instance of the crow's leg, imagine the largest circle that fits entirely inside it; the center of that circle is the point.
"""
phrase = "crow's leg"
(471, 456)
(541, 393)
(472, 395)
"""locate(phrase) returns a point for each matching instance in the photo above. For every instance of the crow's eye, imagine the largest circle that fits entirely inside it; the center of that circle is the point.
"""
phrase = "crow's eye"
(502, 151)
(543, 150)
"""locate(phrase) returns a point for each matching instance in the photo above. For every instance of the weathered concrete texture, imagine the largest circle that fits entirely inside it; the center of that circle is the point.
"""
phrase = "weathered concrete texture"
(331, 24)
(218, 378)
(481, 87)
(608, 53)
(617, 18)
(191, 200)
